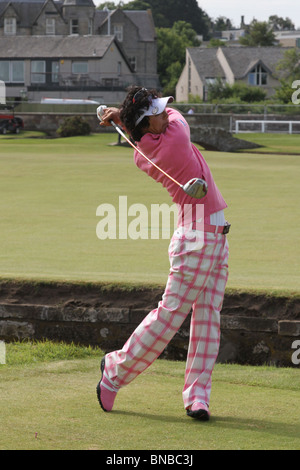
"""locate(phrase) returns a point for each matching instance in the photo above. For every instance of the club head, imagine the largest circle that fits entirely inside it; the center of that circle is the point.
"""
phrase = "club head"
(196, 188)
(100, 110)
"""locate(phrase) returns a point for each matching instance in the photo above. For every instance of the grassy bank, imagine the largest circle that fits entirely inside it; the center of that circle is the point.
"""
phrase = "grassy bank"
(50, 403)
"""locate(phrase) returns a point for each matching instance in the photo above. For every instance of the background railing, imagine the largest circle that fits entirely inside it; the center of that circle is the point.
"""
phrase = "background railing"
(237, 108)
(79, 80)
(263, 126)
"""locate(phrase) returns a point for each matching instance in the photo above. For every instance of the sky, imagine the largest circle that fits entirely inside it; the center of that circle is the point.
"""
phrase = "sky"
(259, 9)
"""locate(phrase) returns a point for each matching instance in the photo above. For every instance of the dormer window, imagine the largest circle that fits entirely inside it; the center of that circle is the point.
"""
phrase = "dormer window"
(258, 76)
(132, 61)
(10, 26)
(74, 27)
(118, 32)
(50, 26)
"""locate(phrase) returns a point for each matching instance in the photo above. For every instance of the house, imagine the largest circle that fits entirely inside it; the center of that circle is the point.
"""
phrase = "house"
(71, 48)
(231, 36)
(135, 31)
(46, 17)
(288, 38)
(201, 68)
(254, 66)
(88, 67)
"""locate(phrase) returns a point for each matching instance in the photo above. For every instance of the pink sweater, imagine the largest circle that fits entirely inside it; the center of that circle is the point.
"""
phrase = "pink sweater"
(174, 153)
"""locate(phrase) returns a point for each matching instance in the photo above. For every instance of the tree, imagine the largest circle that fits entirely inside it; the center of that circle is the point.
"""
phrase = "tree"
(222, 24)
(288, 70)
(136, 5)
(109, 5)
(214, 42)
(185, 30)
(280, 24)
(172, 44)
(290, 65)
(239, 92)
(166, 13)
(171, 78)
(218, 90)
(258, 34)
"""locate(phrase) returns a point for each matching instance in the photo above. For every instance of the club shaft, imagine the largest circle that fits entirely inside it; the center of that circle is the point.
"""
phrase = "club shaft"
(142, 154)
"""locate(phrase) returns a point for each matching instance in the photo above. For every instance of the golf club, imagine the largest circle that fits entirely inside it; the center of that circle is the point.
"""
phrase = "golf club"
(196, 187)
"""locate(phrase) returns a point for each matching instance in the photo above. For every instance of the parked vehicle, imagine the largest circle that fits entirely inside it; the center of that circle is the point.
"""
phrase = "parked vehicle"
(67, 101)
(9, 123)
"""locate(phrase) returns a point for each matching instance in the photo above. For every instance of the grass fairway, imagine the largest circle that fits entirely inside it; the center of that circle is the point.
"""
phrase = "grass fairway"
(52, 405)
(50, 191)
(274, 143)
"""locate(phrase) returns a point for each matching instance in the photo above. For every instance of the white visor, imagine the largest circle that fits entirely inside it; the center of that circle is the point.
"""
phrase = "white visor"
(156, 107)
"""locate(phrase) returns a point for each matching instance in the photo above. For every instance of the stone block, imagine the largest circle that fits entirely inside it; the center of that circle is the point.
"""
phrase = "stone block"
(229, 322)
(14, 330)
(289, 328)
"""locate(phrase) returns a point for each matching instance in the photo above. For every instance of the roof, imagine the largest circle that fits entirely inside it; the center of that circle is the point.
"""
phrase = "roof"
(34, 47)
(240, 58)
(85, 3)
(27, 11)
(206, 62)
(142, 19)
(144, 22)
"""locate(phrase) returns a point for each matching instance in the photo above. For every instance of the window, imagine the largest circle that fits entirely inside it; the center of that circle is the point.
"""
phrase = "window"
(132, 61)
(90, 26)
(258, 76)
(80, 67)
(12, 71)
(54, 72)
(4, 70)
(110, 82)
(50, 26)
(17, 71)
(118, 32)
(10, 26)
(2, 93)
(38, 69)
(189, 76)
(74, 27)
(211, 81)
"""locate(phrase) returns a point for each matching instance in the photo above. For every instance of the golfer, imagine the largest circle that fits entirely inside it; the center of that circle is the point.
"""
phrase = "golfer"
(198, 271)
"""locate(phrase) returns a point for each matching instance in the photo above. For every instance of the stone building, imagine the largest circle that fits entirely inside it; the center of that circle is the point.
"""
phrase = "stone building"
(255, 66)
(71, 49)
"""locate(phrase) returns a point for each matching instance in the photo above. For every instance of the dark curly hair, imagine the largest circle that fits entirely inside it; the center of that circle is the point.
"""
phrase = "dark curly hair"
(137, 99)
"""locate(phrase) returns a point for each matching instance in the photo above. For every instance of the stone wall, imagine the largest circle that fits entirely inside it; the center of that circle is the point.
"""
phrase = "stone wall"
(50, 121)
(255, 329)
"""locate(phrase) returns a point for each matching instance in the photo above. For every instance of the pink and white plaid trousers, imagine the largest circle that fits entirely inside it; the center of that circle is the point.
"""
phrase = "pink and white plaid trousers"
(196, 282)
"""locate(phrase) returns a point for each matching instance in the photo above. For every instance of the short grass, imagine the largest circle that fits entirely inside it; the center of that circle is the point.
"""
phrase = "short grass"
(273, 143)
(23, 135)
(50, 191)
(23, 353)
(49, 403)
